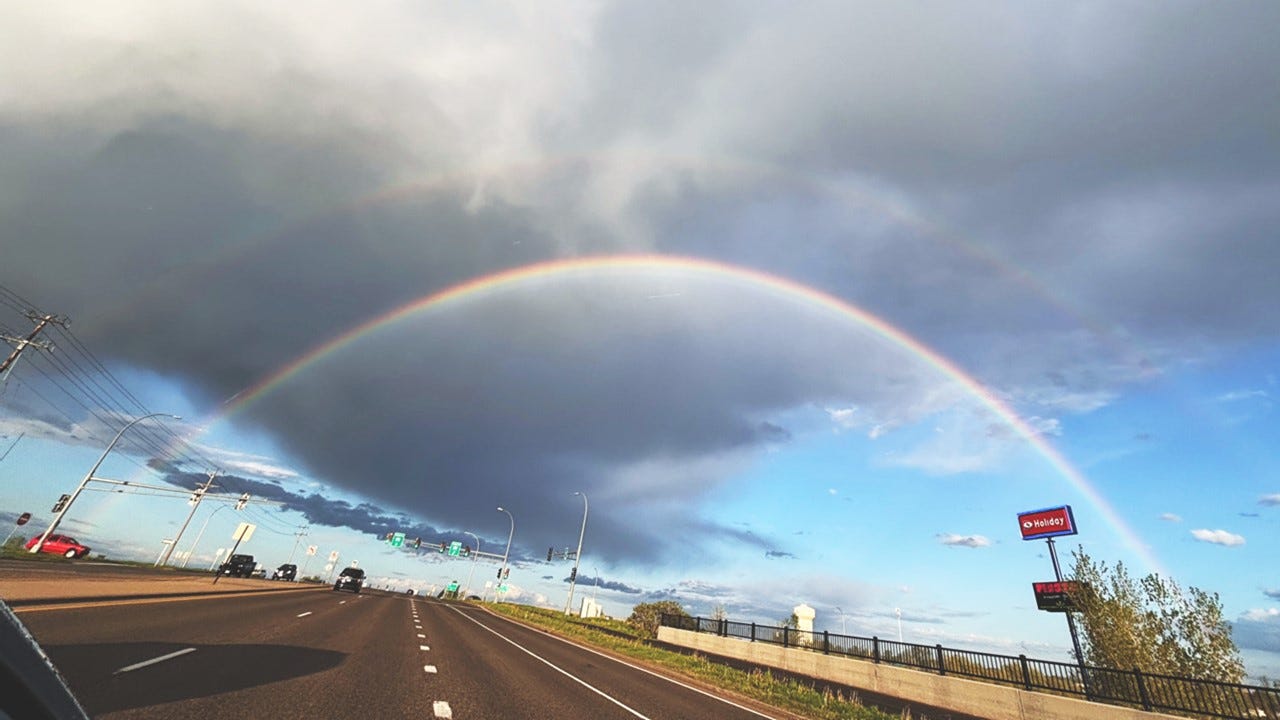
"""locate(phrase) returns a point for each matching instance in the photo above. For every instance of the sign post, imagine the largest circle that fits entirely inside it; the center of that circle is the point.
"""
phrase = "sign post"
(1048, 524)
(22, 520)
(243, 532)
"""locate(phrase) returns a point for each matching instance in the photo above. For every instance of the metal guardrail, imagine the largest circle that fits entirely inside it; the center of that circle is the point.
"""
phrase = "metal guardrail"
(1131, 688)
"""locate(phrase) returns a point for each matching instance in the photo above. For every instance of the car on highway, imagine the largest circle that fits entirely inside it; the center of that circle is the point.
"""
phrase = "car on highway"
(350, 579)
(239, 566)
(63, 545)
(288, 571)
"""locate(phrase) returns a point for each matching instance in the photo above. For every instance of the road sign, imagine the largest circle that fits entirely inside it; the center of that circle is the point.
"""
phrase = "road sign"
(243, 532)
(397, 540)
(455, 549)
(453, 586)
(23, 518)
(502, 588)
(311, 549)
(333, 556)
(1056, 596)
(1047, 523)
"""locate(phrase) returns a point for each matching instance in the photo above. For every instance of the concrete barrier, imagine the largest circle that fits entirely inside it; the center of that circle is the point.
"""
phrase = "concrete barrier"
(971, 697)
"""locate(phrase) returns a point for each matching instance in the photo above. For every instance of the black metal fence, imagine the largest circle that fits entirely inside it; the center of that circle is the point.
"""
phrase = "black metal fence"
(1132, 688)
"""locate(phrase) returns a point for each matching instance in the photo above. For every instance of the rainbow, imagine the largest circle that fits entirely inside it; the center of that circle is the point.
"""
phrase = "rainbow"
(558, 269)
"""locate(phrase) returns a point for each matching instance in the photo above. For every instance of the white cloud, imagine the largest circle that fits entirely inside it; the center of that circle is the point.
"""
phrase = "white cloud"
(1270, 500)
(969, 541)
(1237, 395)
(832, 491)
(1045, 426)
(843, 418)
(1218, 537)
(261, 469)
(1170, 517)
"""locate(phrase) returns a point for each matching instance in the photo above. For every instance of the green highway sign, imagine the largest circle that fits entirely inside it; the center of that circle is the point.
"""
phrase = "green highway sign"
(397, 540)
(502, 587)
(455, 549)
(453, 586)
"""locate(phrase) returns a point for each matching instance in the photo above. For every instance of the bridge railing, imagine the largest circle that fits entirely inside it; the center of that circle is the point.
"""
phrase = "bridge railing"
(1131, 688)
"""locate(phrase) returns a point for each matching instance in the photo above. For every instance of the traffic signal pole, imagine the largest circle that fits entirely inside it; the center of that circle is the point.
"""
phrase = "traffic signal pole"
(61, 512)
(577, 557)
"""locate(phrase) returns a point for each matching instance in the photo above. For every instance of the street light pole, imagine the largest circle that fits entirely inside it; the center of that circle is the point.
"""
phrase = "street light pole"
(898, 612)
(57, 518)
(497, 597)
(842, 629)
(474, 557)
(577, 557)
(191, 550)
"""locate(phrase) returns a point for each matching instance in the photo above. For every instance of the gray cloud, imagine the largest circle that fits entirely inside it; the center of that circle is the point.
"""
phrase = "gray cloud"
(210, 202)
(589, 581)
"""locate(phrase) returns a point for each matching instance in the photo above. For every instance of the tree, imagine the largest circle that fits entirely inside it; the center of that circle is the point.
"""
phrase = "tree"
(1151, 624)
(646, 617)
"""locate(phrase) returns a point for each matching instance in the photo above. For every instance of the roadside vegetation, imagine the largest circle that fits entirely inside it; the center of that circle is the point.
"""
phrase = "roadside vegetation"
(631, 639)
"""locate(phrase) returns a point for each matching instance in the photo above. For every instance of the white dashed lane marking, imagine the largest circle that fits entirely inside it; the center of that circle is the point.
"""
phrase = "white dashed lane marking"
(442, 709)
(305, 614)
(423, 647)
(429, 668)
(422, 636)
(153, 661)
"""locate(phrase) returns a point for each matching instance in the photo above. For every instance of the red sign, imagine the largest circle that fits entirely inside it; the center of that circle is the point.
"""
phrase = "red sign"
(1056, 596)
(23, 518)
(1046, 523)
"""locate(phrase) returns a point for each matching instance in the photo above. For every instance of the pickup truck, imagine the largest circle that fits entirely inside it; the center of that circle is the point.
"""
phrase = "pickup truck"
(239, 566)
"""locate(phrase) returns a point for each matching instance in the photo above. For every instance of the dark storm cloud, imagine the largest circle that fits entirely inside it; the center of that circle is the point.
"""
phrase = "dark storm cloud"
(211, 205)
(588, 581)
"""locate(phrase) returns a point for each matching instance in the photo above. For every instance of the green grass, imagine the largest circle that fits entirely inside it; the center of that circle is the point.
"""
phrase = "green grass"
(797, 697)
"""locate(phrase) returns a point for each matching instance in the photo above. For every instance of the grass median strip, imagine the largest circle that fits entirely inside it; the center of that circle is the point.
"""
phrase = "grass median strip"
(617, 636)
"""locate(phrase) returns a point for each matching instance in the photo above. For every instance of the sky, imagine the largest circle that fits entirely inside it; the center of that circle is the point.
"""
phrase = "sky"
(808, 301)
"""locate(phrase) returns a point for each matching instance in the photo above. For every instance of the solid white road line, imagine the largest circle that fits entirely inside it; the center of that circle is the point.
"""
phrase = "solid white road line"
(153, 661)
(646, 671)
(305, 614)
(429, 668)
(555, 667)
(442, 709)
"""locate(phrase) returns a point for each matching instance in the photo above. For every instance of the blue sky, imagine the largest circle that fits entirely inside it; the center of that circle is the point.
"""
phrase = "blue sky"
(1077, 208)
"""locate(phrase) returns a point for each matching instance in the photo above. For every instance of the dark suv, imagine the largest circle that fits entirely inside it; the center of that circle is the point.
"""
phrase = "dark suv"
(239, 566)
(288, 571)
(350, 579)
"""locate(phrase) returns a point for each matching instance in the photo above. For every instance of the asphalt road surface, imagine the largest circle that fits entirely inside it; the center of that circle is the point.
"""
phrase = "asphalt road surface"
(326, 654)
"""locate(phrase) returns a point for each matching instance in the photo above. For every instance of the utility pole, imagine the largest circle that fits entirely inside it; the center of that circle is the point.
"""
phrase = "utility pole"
(195, 505)
(20, 344)
(298, 535)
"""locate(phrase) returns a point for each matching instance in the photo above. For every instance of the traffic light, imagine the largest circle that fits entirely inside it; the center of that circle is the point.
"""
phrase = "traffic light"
(499, 573)
(444, 546)
(389, 536)
(244, 500)
(62, 503)
(550, 551)
(417, 543)
(466, 551)
(573, 575)
(506, 573)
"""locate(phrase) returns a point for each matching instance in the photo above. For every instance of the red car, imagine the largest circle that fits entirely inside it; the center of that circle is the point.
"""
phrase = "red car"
(63, 545)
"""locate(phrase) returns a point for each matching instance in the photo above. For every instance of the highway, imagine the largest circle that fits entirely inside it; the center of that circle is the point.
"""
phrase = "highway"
(317, 653)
